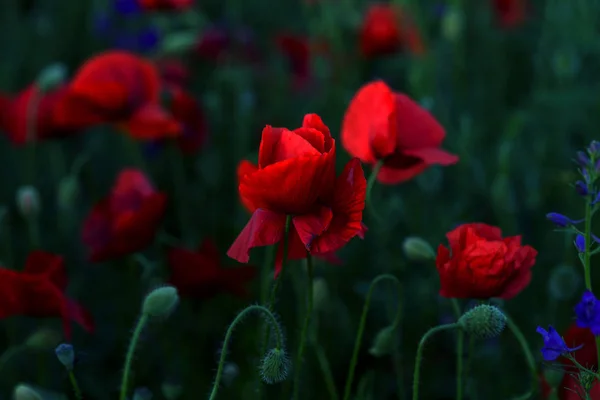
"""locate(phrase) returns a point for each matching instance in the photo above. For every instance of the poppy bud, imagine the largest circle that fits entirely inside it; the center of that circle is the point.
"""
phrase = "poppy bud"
(383, 343)
(320, 294)
(142, 393)
(275, 366)
(28, 201)
(66, 355)
(483, 322)
(24, 392)
(43, 339)
(181, 42)
(564, 282)
(68, 191)
(587, 380)
(554, 376)
(452, 24)
(230, 372)
(171, 391)
(160, 302)
(51, 77)
(417, 249)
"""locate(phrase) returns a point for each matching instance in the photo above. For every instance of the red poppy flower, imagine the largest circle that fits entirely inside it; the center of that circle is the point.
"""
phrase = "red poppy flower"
(38, 291)
(380, 124)
(385, 29)
(120, 88)
(296, 176)
(15, 112)
(481, 264)
(200, 274)
(127, 220)
(510, 13)
(165, 5)
(173, 72)
(189, 113)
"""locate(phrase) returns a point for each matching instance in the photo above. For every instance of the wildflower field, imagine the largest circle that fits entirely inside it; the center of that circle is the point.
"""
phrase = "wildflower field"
(303, 199)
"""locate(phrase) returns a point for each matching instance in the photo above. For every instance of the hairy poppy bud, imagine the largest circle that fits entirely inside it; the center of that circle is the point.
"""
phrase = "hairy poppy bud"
(320, 294)
(24, 392)
(171, 391)
(554, 376)
(275, 366)
(417, 249)
(43, 339)
(564, 282)
(383, 343)
(68, 191)
(587, 380)
(51, 76)
(66, 355)
(142, 393)
(452, 24)
(483, 322)
(160, 302)
(28, 201)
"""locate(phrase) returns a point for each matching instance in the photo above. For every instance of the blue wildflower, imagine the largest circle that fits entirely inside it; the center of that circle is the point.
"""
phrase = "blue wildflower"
(594, 148)
(554, 344)
(580, 243)
(582, 159)
(588, 312)
(127, 7)
(581, 188)
(148, 39)
(561, 220)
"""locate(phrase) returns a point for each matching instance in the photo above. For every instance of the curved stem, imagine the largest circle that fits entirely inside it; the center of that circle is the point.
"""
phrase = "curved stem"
(130, 352)
(305, 326)
(527, 352)
(76, 389)
(362, 324)
(420, 349)
(460, 344)
(326, 369)
(370, 184)
(271, 320)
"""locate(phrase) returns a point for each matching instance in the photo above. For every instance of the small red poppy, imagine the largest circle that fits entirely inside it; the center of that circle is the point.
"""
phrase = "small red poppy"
(380, 124)
(385, 29)
(510, 13)
(119, 88)
(16, 112)
(38, 291)
(199, 274)
(481, 264)
(127, 220)
(296, 176)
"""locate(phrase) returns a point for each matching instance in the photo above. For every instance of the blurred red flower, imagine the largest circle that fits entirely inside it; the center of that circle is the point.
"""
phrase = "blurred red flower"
(38, 291)
(213, 43)
(188, 111)
(127, 220)
(385, 29)
(173, 72)
(510, 13)
(296, 176)
(120, 88)
(199, 274)
(380, 124)
(299, 51)
(165, 5)
(481, 264)
(32, 103)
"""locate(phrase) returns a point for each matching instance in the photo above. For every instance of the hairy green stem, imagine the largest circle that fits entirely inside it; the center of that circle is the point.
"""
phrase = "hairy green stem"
(271, 320)
(130, 353)
(528, 356)
(75, 385)
(419, 358)
(362, 325)
(370, 184)
(305, 326)
(460, 344)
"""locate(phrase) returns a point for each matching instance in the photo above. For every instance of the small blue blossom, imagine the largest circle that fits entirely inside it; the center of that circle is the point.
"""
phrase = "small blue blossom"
(594, 148)
(554, 344)
(582, 159)
(581, 188)
(580, 243)
(561, 220)
(588, 312)
(148, 39)
(127, 7)
(66, 355)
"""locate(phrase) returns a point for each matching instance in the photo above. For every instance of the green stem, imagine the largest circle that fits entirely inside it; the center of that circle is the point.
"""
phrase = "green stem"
(370, 184)
(528, 355)
(305, 326)
(586, 259)
(420, 349)
(363, 323)
(75, 385)
(271, 320)
(460, 344)
(130, 353)
(179, 189)
(326, 369)
(267, 273)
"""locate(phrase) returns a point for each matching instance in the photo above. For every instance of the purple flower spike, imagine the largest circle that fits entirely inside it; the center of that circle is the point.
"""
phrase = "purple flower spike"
(554, 344)
(561, 220)
(581, 188)
(582, 159)
(588, 312)
(580, 243)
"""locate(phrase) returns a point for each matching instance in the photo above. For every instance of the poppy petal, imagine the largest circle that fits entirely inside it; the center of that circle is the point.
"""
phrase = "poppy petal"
(432, 156)
(265, 228)
(309, 226)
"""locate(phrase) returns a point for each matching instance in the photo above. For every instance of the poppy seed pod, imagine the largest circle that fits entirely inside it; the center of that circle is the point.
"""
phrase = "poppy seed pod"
(275, 366)
(28, 201)
(483, 322)
(383, 343)
(320, 294)
(417, 249)
(51, 77)
(160, 302)
(24, 392)
(68, 191)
